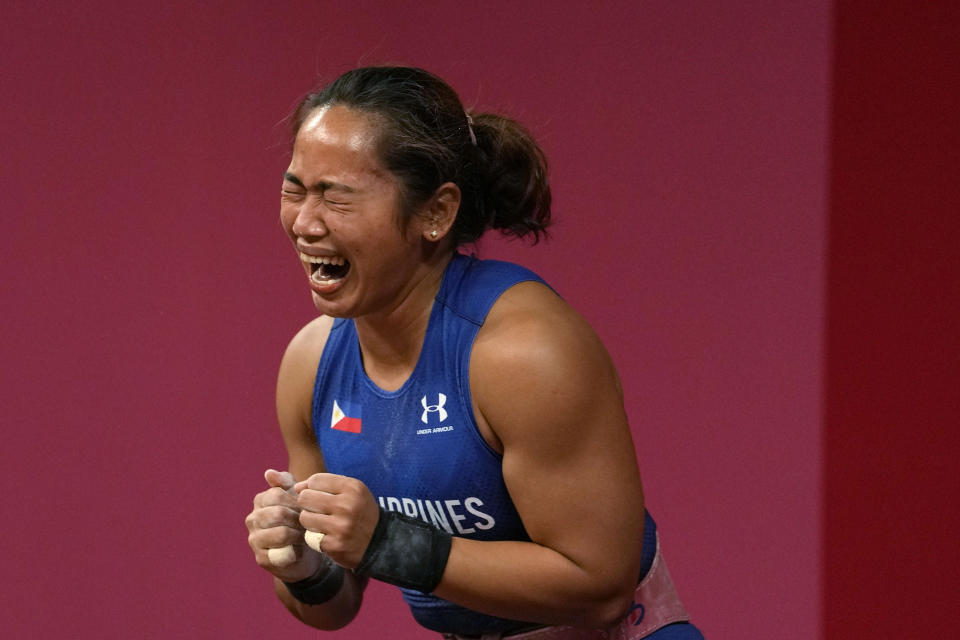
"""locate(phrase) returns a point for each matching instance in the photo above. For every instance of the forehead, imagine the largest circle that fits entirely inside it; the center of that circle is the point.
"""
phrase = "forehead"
(337, 139)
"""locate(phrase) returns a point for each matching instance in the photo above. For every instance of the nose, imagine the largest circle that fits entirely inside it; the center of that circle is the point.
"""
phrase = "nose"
(309, 222)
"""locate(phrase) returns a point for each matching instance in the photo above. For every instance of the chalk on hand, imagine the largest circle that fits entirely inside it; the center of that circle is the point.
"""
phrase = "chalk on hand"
(282, 556)
(313, 539)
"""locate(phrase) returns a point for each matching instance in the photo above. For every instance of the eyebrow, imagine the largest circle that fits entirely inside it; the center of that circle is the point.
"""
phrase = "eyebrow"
(289, 177)
(323, 185)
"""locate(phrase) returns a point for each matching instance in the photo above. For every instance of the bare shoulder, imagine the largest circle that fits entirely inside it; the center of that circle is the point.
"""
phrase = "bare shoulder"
(532, 330)
(536, 357)
(306, 347)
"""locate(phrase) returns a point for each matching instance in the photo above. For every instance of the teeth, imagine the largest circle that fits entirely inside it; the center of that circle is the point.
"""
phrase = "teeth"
(334, 260)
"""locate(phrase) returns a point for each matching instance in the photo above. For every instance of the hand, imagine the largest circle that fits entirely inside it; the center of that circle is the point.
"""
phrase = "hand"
(341, 508)
(275, 533)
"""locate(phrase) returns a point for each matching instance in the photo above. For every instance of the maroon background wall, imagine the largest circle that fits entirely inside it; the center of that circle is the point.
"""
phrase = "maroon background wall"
(893, 332)
(148, 291)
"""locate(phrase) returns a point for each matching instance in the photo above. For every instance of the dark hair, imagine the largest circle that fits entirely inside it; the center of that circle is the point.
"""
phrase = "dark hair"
(427, 139)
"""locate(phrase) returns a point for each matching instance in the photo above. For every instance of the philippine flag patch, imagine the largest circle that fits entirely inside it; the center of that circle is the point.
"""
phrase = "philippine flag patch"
(345, 418)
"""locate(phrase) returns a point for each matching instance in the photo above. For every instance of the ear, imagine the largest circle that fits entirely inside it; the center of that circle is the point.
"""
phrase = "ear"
(440, 212)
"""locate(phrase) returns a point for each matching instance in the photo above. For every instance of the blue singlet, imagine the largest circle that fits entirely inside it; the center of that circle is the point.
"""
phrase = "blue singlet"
(418, 448)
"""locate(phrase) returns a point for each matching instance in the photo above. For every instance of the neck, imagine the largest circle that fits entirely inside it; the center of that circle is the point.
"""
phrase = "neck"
(391, 340)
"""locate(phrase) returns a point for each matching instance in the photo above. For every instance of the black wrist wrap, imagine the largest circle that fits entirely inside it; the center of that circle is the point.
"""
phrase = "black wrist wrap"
(320, 587)
(406, 552)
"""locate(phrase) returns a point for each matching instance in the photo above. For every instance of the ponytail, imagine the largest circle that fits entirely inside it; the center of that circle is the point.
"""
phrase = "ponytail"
(509, 178)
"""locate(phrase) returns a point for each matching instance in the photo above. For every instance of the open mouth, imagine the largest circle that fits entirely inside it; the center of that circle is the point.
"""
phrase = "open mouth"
(326, 269)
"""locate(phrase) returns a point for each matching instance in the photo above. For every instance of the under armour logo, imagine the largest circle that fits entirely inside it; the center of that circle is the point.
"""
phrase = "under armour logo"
(431, 408)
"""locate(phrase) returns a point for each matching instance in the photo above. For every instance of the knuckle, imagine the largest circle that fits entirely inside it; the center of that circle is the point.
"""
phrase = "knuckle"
(353, 508)
(262, 499)
(340, 529)
(256, 542)
(258, 519)
(267, 517)
(314, 500)
(332, 545)
(308, 520)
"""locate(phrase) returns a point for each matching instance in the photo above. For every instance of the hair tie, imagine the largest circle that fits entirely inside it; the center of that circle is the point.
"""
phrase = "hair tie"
(473, 137)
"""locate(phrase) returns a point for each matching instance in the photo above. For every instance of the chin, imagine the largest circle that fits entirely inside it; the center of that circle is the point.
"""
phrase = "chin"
(327, 309)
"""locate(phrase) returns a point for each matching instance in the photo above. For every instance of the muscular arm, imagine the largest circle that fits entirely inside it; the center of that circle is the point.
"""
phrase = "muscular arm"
(294, 406)
(545, 388)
